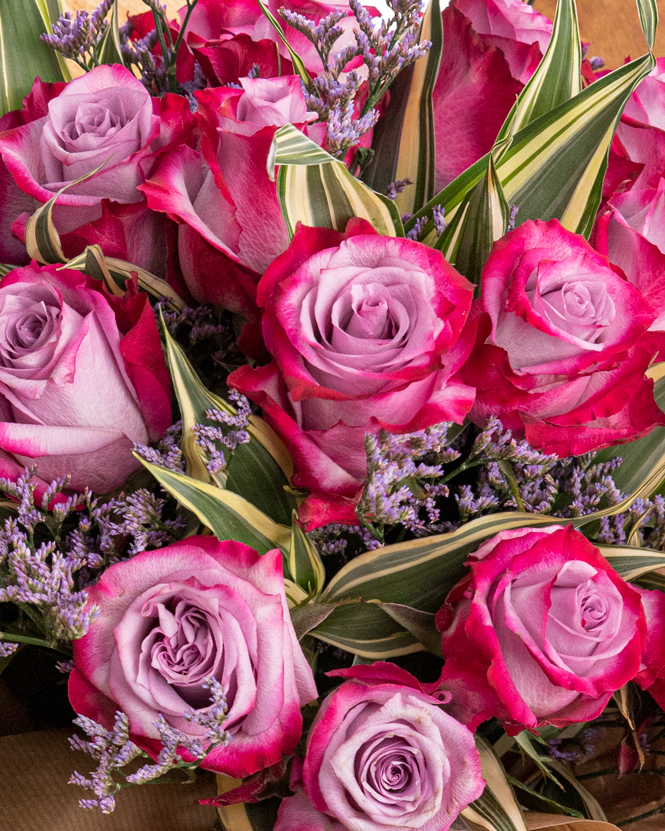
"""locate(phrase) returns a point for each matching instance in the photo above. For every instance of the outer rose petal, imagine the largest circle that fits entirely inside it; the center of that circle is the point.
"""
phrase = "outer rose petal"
(298, 812)
(476, 84)
(519, 31)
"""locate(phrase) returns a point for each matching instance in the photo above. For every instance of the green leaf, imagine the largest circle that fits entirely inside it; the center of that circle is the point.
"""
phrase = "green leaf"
(632, 562)
(482, 219)
(304, 562)
(525, 743)
(403, 141)
(23, 56)
(592, 809)
(554, 166)
(109, 50)
(420, 573)
(296, 60)
(318, 190)
(497, 809)
(229, 516)
(307, 617)
(365, 629)
(535, 801)
(558, 77)
(259, 471)
(420, 624)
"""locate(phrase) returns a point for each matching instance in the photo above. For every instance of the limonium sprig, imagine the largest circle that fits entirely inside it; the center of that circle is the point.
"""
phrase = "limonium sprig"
(218, 441)
(412, 477)
(78, 38)
(385, 47)
(113, 749)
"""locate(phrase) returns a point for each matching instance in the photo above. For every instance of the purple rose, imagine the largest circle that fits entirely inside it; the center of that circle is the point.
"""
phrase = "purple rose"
(561, 351)
(173, 617)
(543, 630)
(82, 377)
(366, 333)
(382, 754)
(105, 119)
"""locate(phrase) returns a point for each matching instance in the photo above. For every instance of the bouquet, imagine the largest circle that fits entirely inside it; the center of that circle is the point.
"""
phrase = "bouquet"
(332, 448)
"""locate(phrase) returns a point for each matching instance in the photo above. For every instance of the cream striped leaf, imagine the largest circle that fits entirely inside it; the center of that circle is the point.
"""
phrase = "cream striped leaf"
(632, 562)
(317, 190)
(110, 51)
(22, 56)
(121, 271)
(554, 165)
(403, 140)
(558, 77)
(482, 219)
(42, 242)
(421, 572)
(304, 562)
(259, 470)
(497, 809)
(296, 60)
(229, 516)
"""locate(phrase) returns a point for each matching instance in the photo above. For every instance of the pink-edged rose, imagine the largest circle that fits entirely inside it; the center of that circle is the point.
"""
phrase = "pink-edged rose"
(104, 121)
(543, 631)
(231, 224)
(639, 143)
(174, 617)
(562, 358)
(210, 18)
(382, 754)
(82, 378)
(517, 29)
(365, 333)
(632, 235)
(492, 49)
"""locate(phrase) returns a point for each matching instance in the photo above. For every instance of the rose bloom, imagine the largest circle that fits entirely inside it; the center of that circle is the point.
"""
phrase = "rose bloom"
(639, 142)
(631, 234)
(382, 754)
(105, 119)
(543, 631)
(231, 224)
(174, 617)
(492, 49)
(365, 333)
(82, 378)
(561, 353)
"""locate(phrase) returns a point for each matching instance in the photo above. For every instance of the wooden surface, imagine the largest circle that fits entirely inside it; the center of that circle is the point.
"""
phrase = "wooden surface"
(612, 28)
